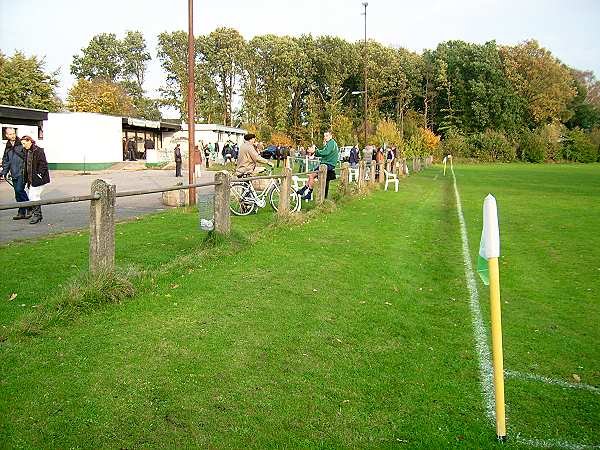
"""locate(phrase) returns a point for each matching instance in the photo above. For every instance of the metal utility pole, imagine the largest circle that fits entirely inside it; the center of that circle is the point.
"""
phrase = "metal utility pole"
(191, 102)
(365, 4)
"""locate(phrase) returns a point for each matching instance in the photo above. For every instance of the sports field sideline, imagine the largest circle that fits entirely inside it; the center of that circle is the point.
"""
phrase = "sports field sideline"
(353, 329)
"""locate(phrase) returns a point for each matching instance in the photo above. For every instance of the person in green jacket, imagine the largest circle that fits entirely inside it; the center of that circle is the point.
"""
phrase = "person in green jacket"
(329, 155)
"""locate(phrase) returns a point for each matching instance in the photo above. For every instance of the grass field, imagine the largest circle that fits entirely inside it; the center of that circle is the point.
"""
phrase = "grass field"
(351, 328)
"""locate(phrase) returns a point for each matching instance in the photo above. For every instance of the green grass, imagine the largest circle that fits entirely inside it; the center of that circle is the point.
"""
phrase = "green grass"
(349, 328)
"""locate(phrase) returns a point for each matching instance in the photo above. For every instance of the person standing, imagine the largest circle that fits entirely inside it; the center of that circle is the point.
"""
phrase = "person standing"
(13, 162)
(131, 150)
(36, 174)
(177, 161)
(354, 157)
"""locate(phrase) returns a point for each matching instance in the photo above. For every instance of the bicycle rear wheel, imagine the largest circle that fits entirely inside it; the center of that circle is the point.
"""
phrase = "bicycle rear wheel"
(240, 199)
(274, 199)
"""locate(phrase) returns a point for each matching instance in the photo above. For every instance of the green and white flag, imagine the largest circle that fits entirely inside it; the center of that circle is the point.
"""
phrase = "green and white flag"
(489, 246)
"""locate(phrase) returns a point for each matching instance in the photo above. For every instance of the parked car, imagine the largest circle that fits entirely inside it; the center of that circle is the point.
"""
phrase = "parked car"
(269, 152)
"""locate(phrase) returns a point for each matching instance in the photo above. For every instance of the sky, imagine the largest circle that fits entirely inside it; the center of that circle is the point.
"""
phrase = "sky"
(56, 30)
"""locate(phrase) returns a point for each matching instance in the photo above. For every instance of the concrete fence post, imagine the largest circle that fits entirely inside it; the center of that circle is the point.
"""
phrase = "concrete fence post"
(373, 173)
(344, 178)
(102, 227)
(284, 192)
(322, 183)
(222, 212)
(361, 173)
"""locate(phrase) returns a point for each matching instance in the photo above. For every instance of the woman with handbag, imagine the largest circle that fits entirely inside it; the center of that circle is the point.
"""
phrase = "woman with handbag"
(36, 174)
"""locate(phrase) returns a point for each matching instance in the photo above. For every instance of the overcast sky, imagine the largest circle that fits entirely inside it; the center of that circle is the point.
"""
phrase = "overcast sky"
(58, 29)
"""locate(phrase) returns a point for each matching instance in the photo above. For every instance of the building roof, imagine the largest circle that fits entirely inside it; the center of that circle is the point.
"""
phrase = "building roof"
(156, 124)
(16, 112)
(215, 127)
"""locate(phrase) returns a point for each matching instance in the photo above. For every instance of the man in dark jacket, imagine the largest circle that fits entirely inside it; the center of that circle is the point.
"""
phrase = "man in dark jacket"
(178, 161)
(13, 162)
(354, 157)
(36, 174)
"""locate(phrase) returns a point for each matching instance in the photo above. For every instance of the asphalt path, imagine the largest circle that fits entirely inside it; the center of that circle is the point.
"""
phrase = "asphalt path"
(72, 216)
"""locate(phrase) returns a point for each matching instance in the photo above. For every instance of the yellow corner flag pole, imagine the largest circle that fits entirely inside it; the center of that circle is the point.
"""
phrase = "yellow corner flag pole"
(490, 250)
(497, 357)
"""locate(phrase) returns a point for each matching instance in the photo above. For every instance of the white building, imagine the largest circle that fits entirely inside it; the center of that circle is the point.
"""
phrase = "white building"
(73, 140)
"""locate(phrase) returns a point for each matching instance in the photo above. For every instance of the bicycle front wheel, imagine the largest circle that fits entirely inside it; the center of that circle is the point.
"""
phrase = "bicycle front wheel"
(240, 199)
(275, 198)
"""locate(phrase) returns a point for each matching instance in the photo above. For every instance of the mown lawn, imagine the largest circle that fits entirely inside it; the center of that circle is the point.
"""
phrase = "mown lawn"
(351, 329)
(550, 280)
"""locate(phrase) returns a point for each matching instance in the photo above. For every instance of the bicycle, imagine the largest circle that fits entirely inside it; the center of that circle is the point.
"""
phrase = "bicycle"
(244, 199)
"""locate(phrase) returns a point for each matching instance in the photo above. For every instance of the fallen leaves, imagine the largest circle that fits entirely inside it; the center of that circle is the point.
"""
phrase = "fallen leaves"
(12, 296)
(576, 377)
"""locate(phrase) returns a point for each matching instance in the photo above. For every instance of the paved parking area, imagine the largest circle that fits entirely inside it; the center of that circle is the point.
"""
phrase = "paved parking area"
(71, 216)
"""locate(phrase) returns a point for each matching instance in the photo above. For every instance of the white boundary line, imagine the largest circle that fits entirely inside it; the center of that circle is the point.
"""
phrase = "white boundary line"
(485, 364)
(553, 443)
(546, 380)
(483, 351)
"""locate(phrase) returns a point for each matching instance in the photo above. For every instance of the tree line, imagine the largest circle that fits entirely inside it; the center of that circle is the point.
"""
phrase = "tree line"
(486, 101)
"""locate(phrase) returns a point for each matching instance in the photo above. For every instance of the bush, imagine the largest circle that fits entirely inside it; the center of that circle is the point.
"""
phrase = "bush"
(579, 147)
(532, 147)
(552, 135)
(456, 144)
(492, 146)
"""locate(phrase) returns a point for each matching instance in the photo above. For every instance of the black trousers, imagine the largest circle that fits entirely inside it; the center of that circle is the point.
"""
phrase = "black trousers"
(178, 169)
(330, 176)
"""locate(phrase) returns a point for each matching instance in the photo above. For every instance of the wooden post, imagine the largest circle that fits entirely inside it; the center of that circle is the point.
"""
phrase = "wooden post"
(222, 212)
(381, 172)
(322, 183)
(361, 173)
(372, 175)
(284, 192)
(344, 178)
(102, 227)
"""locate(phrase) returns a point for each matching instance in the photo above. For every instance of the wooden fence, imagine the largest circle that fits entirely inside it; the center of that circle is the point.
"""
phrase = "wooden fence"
(103, 197)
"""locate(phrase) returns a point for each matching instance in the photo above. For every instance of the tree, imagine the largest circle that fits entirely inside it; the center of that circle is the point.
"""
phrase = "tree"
(541, 80)
(221, 55)
(134, 58)
(172, 53)
(100, 59)
(99, 96)
(24, 83)
(474, 93)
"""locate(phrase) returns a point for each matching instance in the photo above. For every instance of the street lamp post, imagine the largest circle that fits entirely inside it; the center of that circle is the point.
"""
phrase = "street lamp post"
(191, 103)
(365, 4)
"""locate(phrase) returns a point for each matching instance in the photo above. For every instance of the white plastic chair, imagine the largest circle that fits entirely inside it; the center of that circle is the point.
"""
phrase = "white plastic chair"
(390, 178)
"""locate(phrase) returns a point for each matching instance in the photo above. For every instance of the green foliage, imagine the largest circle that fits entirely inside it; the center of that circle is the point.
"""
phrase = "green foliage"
(473, 92)
(532, 147)
(415, 146)
(456, 144)
(24, 83)
(579, 147)
(100, 59)
(491, 146)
